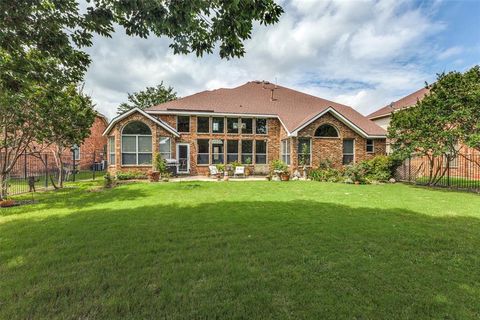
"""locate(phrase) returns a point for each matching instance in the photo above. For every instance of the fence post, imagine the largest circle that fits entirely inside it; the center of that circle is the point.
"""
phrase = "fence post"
(46, 171)
(25, 174)
(448, 171)
(74, 168)
(409, 169)
(94, 165)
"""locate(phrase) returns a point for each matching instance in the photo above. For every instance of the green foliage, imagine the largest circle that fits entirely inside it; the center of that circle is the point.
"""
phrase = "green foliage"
(131, 175)
(380, 168)
(248, 161)
(304, 156)
(149, 97)
(325, 172)
(159, 164)
(236, 164)
(107, 180)
(279, 166)
(220, 167)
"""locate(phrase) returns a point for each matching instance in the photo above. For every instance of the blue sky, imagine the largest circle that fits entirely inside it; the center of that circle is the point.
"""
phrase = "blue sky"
(361, 53)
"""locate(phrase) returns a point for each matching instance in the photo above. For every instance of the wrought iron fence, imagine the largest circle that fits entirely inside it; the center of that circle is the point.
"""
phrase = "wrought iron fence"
(39, 171)
(461, 172)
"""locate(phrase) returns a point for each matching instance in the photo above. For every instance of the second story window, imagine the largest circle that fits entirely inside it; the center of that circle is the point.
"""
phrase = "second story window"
(232, 125)
(261, 126)
(247, 125)
(218, 125)
(203, 124)
(183, 123)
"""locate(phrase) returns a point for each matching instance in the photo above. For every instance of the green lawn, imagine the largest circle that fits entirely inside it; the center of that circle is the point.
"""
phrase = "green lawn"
(249, 250)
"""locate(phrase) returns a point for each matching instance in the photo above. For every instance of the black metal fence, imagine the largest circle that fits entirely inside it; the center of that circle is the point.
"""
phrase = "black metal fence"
(461, 172)
(39, 171)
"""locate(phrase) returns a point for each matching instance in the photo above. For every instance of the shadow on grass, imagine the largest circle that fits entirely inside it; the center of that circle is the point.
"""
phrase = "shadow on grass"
(297, 259)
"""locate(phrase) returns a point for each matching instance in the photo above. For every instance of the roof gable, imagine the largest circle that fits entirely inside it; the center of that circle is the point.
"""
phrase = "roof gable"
(134, 110)
(403, 103)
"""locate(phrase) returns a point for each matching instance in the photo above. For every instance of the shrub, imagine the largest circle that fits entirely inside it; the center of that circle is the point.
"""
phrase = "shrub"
(379, 168)
(325, 172)
(107, 180)
(356, 172)
(279, 165)
(130, 175)
(220, 167)
(159, 164)
(235, 164)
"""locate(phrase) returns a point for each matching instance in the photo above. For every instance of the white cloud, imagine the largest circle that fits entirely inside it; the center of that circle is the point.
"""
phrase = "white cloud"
(361, 53)
(450, 52)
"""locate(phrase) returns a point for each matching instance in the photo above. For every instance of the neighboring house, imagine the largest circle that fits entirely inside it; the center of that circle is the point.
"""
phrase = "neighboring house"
(254, 123)
(92, 150)
(464, 166)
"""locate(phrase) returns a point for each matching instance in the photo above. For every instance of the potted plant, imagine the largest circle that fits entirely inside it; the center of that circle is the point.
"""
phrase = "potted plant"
(281, 170)
(221, 170)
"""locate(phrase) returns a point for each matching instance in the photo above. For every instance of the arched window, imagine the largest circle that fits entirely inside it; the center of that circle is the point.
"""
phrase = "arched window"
(326, 131)
(136, 144)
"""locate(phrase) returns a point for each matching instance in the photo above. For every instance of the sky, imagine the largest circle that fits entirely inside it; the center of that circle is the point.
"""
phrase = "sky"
(364, 54)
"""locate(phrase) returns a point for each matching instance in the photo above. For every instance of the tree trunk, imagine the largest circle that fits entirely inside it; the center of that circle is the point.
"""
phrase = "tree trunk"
(3, 185)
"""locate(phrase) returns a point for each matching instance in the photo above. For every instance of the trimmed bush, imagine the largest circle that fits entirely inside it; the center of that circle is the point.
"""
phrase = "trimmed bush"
(131, 175)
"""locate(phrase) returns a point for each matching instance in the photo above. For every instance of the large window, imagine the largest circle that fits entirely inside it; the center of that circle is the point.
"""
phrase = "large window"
(232, 151)
(260, 152)
(326, 131)
(183, 123)
(203, 151)
(247, 125)
(286, 151)
(136, 144)
(165, 146)
(348, 153)
(370, 146)
(203, 124)
(304, 152)
(217, 151)
(218, 125)
(261, 126)
(232, 125)
(111, 150)
(247, 151)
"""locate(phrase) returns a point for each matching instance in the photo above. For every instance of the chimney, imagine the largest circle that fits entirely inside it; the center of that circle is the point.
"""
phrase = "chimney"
(271, 98)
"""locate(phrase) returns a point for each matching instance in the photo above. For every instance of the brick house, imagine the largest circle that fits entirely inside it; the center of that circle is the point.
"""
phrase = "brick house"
(254, 124)
(465, 165)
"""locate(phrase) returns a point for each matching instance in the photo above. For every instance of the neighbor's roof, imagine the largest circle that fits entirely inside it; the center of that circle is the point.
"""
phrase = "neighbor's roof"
(403, 103)
(293, 108)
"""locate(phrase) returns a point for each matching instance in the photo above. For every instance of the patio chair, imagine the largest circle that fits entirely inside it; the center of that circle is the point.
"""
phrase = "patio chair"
(213, 171)
(239, 171)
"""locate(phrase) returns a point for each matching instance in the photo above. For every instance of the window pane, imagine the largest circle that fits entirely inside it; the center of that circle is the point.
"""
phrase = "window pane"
(247, 158)
(144, 144)
(218, 125)
(183, 123)
(202, 146)
(369, 145)
(217, 152)
(260, 159)
(326, 130)
(232, 125)
(260, 146)
(304, 151)
(247, 125)
(203, 124)
(136, 127)
(129, 158)
(347, 159)
(144, 158)
(261, 126)
(202, 158)
(111, 144)
(247, 146)
(76, 152)
(348, 146)
(232, 146)
(165, 146)
(129, 144)
(112, 158)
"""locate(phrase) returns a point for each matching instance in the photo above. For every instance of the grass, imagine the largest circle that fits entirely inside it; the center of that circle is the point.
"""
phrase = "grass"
(453, 182)
(242, 250)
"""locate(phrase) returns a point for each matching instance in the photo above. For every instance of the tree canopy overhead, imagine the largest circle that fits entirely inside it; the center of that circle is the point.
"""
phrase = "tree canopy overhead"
(149, 97)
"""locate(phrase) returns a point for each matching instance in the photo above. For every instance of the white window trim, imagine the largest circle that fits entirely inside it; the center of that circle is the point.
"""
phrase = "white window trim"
(188, 156)
(110, 152)
(349, 154)
(169, 147)
(328, 124)
(311, 151)
(366, 146)
(136, 150)
(76, 154)
(283, 154)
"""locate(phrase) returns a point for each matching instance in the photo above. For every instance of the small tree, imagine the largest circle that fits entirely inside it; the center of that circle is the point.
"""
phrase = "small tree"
(149, 97)
(435, 126)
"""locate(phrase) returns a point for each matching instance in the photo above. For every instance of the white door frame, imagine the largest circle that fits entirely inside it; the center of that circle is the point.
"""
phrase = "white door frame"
(188, 156)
